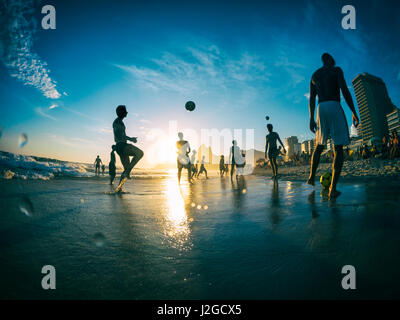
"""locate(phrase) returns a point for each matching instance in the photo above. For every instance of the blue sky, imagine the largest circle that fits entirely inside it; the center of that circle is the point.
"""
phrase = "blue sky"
(238, 60)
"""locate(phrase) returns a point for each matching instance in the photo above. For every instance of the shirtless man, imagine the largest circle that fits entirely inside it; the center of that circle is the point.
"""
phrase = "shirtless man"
(271, 149)
(124, 149)
(183, 161)
(97, 165)
(331, 122)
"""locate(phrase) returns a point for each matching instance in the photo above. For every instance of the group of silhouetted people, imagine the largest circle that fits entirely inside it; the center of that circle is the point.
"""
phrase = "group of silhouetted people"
(326, 83)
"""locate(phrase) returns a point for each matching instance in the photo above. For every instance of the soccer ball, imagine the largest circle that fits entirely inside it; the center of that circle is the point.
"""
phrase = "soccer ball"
(190, 106)
(326, 180)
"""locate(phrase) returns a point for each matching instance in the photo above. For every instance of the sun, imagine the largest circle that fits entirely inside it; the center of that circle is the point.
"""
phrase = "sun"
(162, 151)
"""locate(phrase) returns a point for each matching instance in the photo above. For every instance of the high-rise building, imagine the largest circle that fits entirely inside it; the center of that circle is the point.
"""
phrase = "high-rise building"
(291, 144)
(311, 145)
(373, 105)
(393, 120)
(304, 147)
(307, 146)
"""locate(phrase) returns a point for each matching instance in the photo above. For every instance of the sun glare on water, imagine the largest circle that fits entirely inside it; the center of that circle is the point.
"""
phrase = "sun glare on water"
(176, 219)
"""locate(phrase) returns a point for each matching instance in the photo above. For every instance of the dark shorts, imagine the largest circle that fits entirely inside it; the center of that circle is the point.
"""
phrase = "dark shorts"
(119, 148)
(272, 153)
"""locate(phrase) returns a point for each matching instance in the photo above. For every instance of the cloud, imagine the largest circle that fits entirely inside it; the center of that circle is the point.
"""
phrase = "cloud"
(198, 68)
(53, 106)
(77, 143)
(145, 121)
(18, 27)
(41, 112)
(307, 95)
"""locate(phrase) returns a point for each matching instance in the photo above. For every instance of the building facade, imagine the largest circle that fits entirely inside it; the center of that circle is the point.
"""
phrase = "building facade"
(393, 120)
(292, 146)
(373, 105)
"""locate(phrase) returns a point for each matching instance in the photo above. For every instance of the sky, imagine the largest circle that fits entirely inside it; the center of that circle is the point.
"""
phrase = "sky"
(239, 61)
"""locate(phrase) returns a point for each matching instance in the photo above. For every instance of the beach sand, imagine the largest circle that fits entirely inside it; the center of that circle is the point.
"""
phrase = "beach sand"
(213, 240)
(353, 171)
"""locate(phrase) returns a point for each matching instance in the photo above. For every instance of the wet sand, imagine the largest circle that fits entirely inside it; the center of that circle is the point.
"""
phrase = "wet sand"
(213, 240)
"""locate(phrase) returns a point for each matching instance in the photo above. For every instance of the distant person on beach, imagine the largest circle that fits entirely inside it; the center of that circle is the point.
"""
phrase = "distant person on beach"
(193, 168)
(240, 166)
(326, 83)
(222, 166)
(111, 166)
(103, 168)
(271, 149)
(183, 161)
(234, 154)
(395, 150)
(124, 149)
(97, 163)
(365, 154)
(202, 168)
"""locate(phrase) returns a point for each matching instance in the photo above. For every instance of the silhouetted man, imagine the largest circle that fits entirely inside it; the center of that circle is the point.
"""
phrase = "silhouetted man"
(111, 166)
(202, 168)
(97, 163)
(183, 160)
(234, 151)
(124, 149)
(271, 149)
(193, 169)
(327, 82)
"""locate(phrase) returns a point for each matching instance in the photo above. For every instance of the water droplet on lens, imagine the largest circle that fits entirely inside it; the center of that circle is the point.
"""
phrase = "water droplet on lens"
(26, 206)
(199, 207)
(205, 207)
(193, 204)
(22, 140)
(99, 239)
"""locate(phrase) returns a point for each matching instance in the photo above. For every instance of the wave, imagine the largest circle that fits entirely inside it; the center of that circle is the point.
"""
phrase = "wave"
(15, 166)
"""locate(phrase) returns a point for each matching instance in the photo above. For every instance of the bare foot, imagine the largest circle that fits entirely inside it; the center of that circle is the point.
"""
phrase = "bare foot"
(311, 181)
(334, 194)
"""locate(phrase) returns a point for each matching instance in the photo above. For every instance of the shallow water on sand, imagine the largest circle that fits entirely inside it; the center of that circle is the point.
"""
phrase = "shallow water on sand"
(216, 239)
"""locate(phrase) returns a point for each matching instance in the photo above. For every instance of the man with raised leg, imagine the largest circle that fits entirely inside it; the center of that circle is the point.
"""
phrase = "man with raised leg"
(124, 149)
(326, 83)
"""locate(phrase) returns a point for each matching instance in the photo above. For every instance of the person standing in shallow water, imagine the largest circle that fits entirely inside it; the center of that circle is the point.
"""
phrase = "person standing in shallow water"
(271, 149)
(111, 166)
(124, 149)
(234, 151)
(326, 83)
(202, 168)
(183, 161)
(97, 163)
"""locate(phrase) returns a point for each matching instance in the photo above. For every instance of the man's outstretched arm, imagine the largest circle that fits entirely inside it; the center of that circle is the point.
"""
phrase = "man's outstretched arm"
(280, 141)
(347, 97)
(311, 105)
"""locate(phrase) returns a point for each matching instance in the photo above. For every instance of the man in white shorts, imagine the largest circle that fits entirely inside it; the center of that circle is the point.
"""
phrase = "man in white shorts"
(327, 82)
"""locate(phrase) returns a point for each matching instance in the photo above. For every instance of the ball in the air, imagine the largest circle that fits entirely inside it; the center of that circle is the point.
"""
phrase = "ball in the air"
(266, 118)
(326, 180)
(190, 106)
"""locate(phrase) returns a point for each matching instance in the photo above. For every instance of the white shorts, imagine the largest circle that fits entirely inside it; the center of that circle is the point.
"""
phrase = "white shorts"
(331, 123)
